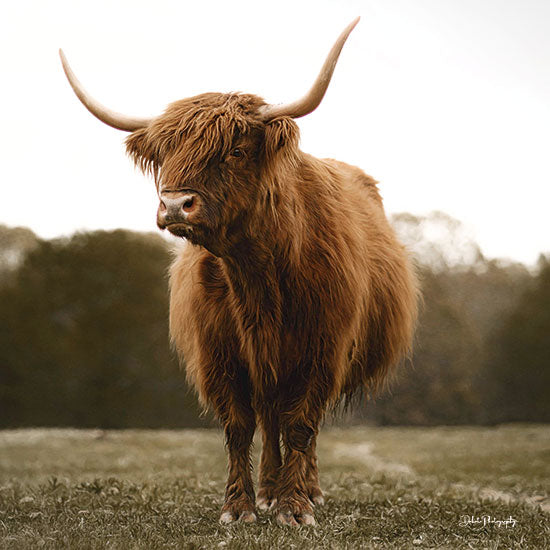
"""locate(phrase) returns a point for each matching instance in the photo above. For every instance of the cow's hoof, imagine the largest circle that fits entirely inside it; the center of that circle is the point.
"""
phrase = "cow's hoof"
(247, 517)
(264, 503)
(294, 520)
(316, 495)
(227, 517)
(306, 519)
(318, 500)
(287, 518)
(231, 517)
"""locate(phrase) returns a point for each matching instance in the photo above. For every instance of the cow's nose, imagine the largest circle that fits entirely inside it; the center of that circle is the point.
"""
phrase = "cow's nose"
(177, 209)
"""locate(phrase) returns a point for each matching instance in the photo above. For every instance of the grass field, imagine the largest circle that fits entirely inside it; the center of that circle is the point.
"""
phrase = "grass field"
(385, 488)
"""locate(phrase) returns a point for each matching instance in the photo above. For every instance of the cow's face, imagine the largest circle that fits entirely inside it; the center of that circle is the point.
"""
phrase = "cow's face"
(207, 154)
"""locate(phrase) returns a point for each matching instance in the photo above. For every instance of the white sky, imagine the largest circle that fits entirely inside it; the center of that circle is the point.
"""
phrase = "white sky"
(445, 102)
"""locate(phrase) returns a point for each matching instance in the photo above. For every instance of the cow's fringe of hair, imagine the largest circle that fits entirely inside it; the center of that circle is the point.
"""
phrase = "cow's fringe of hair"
(197, 128)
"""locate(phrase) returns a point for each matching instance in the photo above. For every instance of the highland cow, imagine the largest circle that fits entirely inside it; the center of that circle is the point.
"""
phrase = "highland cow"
(292, 292)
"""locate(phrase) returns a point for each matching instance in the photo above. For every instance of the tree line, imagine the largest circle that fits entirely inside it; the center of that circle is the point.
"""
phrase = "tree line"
(84, 334)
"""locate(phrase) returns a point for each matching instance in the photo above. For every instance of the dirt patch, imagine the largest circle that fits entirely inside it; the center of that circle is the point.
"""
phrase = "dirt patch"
(362, 453)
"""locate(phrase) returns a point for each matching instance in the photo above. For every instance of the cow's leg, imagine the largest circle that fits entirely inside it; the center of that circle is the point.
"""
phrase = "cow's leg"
(312, 474)
(202, 327)
(294, 506)
(239, 491)
(301, 411)
(299, 425)
(270, 462)
(232, 404)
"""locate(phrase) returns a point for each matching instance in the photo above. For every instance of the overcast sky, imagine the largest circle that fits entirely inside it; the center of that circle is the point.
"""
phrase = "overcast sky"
(445, 102)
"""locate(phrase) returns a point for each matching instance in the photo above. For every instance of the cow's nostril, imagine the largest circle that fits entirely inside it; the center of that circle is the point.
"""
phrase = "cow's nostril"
(189, 204)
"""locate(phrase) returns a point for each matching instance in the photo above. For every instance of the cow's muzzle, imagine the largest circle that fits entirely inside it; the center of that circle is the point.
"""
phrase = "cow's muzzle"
(178, 209)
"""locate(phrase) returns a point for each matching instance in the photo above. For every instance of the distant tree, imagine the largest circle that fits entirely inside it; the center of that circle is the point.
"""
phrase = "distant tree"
(519, 362)
(84, 337)
(437, 241)
(15, 243)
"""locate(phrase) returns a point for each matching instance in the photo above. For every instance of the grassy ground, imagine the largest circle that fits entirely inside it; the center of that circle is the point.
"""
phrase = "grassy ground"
(385, 488)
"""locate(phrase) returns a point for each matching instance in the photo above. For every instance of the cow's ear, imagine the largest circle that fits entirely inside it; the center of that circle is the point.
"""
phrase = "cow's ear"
(280, 134)
(140, 147)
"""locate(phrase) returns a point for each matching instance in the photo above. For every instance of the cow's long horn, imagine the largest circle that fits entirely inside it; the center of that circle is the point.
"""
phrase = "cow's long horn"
(311, 100)
(116, 120)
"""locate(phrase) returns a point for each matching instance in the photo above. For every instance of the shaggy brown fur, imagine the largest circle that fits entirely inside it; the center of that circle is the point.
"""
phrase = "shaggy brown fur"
(292, 293)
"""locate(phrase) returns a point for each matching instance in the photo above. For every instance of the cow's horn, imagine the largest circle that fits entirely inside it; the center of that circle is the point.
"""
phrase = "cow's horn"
(311, 100)
(116, 120)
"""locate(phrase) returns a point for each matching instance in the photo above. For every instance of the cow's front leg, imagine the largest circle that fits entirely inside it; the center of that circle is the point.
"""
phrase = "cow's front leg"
(239, 491)
(231, 400)
(270, 462)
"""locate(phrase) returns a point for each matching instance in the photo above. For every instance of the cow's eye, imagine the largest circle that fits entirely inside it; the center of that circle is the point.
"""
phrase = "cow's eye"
(237, 153)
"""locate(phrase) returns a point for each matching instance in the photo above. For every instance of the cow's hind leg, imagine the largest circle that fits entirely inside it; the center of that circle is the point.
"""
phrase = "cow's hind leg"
(294, 506)
(298, 478)
(301, 412)
(312, 474)
(270, 462)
